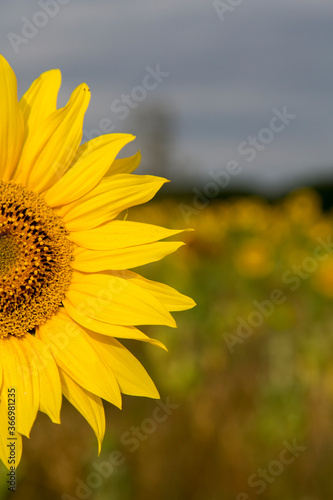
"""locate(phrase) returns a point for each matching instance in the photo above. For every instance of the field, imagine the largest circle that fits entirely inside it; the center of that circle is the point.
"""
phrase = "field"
(246, 385)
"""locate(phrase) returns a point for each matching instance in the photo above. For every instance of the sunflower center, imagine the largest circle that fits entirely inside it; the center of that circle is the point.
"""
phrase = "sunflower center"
(8, 253)
(35, 256)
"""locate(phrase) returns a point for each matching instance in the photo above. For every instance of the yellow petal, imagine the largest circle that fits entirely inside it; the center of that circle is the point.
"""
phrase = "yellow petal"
(130, 374)
(113, 195)
(40, 100)
(125, 165)
(48, 375)
(51, 147)
(116, 301)
(124, 258)
(89, 405)
(118, 331)
(17, 360)
(11, 122)
(121, 234)
(74, 355)
(168, 296)
(92, 161)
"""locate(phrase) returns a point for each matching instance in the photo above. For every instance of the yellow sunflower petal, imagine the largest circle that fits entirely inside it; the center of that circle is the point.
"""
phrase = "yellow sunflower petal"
(118, 331)
(168, 296)
(64, 294)
(116, 301)
(11, 122)
(123, 258)
(130, 374)
(20, 373)
(75, 356)
(92, 161)
(51, 147)
(40, 100)
(113, 195)
(121, 234)
(89, 405)
(48, 375)
(10, 440)
(125, 165)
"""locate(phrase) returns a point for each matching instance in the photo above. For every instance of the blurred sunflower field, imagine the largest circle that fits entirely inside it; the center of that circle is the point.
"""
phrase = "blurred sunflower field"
(246, 386)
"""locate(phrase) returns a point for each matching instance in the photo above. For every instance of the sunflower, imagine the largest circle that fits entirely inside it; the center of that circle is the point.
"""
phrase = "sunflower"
(66, 292)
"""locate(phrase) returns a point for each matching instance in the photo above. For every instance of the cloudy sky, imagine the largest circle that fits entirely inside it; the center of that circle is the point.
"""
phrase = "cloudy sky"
(248, 82)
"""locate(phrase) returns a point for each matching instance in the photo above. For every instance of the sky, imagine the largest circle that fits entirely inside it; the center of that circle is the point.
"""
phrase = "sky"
(248, 83)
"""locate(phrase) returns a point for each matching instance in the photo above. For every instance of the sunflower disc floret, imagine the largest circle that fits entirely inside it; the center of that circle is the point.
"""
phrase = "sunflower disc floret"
(35, 257)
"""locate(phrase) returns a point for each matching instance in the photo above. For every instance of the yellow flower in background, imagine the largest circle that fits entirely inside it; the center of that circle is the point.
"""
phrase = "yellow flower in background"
(253, 259)
(249, 214)
(322, 279)
(65, 291)
(303, 207)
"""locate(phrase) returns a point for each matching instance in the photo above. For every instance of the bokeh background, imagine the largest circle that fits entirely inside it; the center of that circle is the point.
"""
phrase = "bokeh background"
(247, 384)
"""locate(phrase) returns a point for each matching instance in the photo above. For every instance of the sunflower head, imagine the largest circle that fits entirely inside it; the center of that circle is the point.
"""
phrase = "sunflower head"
(66, 288)
(35, 261)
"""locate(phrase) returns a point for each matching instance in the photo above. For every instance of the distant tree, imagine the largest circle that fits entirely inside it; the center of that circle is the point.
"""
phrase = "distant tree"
(154, 124)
